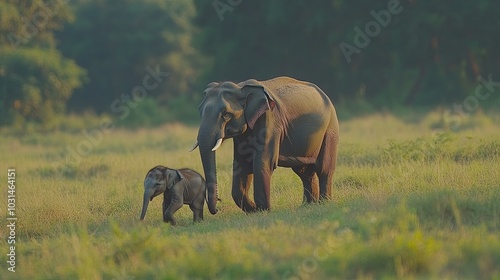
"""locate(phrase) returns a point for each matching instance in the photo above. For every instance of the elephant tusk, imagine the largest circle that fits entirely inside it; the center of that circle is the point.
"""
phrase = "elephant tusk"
(217, 145)
(194, 146)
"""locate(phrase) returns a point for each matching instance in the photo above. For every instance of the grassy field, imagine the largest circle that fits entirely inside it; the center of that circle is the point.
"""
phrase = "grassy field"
(409, 202)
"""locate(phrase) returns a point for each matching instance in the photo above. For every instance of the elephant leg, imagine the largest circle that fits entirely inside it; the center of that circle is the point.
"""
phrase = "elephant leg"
(325, 167)
(262, 186)
(168, 215)
(197, 206)
(242, 179)
(310, 181)
(166, 201)
(197, 213)
(265, 160)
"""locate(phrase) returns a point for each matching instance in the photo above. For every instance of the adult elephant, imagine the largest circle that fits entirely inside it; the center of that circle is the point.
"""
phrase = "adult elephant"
(278, 122)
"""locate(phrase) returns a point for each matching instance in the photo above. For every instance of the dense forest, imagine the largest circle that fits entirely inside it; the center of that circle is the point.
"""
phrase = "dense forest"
(100, 56)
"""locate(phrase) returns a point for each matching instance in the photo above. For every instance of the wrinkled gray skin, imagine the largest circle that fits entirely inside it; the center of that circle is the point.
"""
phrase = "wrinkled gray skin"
(183, 186)
(278, 122)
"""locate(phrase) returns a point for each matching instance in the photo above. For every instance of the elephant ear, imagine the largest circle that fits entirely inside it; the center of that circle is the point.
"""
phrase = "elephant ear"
(180, 176)
(172, 177)
(257, 102)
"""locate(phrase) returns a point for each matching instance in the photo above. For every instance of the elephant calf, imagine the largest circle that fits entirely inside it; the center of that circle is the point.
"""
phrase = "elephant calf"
(183, 186)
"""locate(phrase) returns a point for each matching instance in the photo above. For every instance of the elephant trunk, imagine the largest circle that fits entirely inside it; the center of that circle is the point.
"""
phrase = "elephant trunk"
(145, 204)
(208, 161)
(209, 167)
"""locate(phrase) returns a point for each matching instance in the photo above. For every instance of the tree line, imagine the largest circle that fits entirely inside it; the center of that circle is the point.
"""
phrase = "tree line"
(97, 55)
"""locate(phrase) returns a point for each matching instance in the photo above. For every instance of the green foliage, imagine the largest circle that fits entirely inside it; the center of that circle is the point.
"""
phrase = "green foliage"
(430, 53)
(36, 80)
(419, 149)
(448, 208)
(433, 147)
(149, 113)
(36, 84)
(117, 44)
(392, 216)
(184, 109)
(146, 113)
(73, 172)
(424, 56)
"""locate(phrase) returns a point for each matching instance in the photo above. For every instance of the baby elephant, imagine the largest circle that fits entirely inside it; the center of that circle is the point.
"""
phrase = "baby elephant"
(183, 186)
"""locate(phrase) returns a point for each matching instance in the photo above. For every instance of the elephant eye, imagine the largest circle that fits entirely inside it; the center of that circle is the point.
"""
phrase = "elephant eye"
(227, 116)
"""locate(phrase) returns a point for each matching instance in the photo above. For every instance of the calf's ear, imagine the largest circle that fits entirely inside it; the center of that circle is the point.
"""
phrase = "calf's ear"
(172, 176)
(180, 176)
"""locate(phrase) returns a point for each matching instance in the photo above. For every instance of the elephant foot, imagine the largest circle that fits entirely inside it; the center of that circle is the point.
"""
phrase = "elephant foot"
(249, 211)
(306, 203)
(312, 201)
(258, 210)
(324, 198)
(246, 205)
(171, 221)
(264, 210)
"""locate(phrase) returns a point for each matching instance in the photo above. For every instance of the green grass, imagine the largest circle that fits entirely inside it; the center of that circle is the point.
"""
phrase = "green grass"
(409, 202)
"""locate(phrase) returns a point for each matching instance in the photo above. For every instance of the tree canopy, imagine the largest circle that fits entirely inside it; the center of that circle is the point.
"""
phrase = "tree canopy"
(116, 43)
(35, 79)
(428, 52)
(387, 53)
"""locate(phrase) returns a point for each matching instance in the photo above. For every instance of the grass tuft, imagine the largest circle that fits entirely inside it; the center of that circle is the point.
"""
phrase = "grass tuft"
(408, 202)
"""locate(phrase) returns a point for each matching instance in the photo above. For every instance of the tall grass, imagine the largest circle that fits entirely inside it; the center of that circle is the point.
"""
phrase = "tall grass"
(409, 202)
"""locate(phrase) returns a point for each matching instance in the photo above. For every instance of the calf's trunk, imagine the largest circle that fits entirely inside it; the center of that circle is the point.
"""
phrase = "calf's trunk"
(145, 204)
